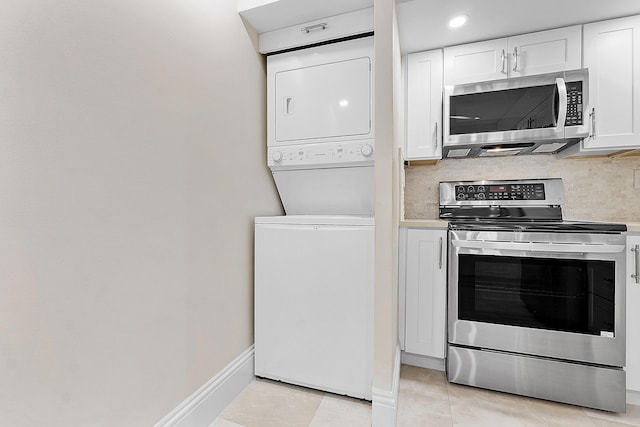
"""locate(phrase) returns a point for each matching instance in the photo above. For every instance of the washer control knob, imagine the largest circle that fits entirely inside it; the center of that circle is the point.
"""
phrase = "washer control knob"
(276, 156)
(366, 150)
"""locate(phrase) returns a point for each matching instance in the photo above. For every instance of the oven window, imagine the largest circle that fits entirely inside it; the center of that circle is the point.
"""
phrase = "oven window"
(544, 293)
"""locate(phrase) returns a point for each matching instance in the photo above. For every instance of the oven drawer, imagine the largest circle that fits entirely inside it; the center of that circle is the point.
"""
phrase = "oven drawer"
(591, 386)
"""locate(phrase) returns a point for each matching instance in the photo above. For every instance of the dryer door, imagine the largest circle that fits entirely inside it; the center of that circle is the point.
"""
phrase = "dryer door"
(321, 94)
(323, 101)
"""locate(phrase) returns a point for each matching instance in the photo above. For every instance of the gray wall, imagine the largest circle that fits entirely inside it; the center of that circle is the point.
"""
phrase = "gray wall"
(132, 163)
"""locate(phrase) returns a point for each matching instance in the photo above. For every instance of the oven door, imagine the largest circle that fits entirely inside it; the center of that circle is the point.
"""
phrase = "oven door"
(558, 295)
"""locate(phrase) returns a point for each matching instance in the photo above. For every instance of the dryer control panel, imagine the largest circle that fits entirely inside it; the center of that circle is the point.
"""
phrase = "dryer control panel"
(322, 155)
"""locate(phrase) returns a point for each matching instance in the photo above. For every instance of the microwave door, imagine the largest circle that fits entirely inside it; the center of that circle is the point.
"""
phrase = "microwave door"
(511, 114)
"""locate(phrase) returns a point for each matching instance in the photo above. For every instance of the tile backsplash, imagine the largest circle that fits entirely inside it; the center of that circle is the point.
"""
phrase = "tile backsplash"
(596, 189)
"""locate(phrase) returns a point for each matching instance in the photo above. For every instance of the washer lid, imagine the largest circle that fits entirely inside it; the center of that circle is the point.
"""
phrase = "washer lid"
(316, 220)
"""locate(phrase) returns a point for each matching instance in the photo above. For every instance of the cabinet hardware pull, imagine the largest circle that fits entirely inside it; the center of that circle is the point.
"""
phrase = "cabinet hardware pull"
(592, 115)
(436, 130)
(288, 105)
(636, 276)
(515, 59)
(320, 26)
(502, 58)
(440, 260)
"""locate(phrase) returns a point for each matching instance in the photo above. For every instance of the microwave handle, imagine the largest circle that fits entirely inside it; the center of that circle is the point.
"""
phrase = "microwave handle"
(562, 104)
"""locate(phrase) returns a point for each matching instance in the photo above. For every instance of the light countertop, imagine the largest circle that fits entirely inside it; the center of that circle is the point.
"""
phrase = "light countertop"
(633, 227)
(425, 223)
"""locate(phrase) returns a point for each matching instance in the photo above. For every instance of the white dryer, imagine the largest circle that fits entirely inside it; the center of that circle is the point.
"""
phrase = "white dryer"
(314, 302)
(320, 131)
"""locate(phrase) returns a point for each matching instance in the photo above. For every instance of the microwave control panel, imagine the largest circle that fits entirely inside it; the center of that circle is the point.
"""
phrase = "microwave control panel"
(574, 104)
(497, 191)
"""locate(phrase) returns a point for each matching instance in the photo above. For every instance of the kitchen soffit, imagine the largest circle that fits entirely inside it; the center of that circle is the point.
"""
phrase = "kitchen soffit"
(269, 15)
(423, 23)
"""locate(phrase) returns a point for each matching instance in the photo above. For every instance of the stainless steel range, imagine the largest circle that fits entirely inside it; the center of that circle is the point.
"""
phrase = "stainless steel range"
(535, 303)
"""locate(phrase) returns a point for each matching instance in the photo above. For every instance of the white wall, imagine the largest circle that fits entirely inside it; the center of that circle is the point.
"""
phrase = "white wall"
(386, 206)
(132, 162)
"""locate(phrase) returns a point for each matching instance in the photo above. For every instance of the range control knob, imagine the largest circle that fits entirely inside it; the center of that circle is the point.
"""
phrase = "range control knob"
(366, 150)
(276, 156)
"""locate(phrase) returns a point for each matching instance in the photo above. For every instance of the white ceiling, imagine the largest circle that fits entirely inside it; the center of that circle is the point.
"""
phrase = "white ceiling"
(423, 23)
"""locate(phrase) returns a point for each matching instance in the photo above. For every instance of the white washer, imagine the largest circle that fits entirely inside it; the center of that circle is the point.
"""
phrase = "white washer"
(314, 302)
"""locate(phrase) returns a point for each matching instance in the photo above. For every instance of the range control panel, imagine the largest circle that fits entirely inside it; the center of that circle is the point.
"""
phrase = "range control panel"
(500, 191)
(512, 192)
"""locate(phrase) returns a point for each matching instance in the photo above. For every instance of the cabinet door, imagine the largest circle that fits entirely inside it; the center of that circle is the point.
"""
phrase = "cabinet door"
(426, 290)
(424, 105)
(545, 51)
(612, 55)
(633, 314)
(476, 62)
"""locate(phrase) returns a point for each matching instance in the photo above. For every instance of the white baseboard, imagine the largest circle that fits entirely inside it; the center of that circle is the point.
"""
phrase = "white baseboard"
(633, 397)
(203, 406)
(422, 361)
(384, 403)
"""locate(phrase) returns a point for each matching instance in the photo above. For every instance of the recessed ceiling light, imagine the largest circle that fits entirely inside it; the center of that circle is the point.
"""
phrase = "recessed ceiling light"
(458, 21)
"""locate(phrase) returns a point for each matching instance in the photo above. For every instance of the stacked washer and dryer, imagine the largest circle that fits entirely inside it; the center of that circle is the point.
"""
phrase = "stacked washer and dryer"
(314, 267)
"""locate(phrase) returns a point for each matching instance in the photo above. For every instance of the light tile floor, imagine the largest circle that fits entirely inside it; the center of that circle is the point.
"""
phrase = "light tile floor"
(426, 399)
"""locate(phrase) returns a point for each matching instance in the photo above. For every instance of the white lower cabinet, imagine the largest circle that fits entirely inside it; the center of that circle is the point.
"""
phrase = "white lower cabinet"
(425, 292)
(633, 314)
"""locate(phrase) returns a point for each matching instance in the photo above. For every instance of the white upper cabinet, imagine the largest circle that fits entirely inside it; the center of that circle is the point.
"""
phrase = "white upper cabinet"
(475, 62)
(527, 54)
(424, 105)
(545, 52)
(612, 55)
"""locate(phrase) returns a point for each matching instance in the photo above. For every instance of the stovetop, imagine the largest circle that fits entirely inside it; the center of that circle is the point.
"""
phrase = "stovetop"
(538, 226)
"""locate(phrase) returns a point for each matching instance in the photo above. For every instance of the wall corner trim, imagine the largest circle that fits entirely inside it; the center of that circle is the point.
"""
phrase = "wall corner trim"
(384, 405)
(206, 403)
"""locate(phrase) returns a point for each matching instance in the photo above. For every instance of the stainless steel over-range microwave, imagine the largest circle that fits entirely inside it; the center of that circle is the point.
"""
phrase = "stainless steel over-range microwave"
(525, 115)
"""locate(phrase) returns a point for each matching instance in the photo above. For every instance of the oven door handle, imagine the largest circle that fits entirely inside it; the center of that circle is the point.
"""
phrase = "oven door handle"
(539, 247)
(636, 276)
